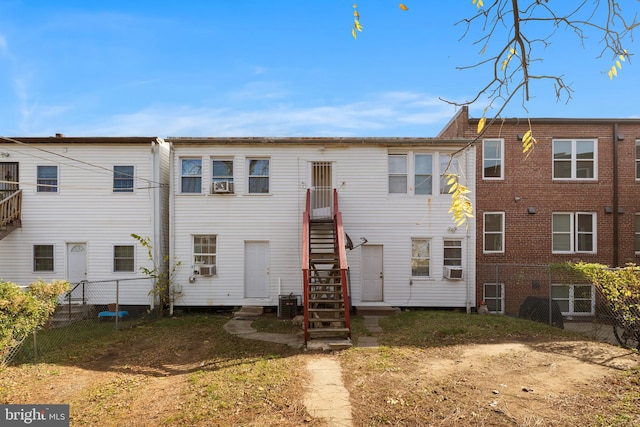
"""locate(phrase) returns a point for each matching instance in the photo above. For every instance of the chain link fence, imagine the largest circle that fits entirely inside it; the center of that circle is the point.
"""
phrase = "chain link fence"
(88, 311)
(561, 298)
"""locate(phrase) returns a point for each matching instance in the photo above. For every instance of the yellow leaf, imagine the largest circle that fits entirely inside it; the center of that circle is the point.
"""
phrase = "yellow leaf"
(358, 26)
(481, 124)
(622, 58)
(403, 7)
(614, 71)
(512, 50)
(353, 33)
(618, 64)
(356, 14)
(610, 75)
(526, 138)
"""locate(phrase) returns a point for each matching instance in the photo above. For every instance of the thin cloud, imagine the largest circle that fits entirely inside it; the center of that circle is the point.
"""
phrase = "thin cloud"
(384, 114)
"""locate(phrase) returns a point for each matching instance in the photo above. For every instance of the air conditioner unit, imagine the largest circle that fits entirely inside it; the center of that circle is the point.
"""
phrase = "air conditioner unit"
(205, 270)
(222, 187)
(453, 273)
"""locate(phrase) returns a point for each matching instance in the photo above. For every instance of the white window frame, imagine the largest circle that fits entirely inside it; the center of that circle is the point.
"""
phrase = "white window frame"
(199, 257)
(574, 234)
(53, 259)
(43, 188)
(428, 257)
(249, 176)
(485, 233)
(637, 234)
(190, 175)
(216, 178)
(637, 160)
(120, 179)
(415, 174)
(499, 160)
(448, 261)
(572, 300)
(574, 160)
(454, 168)
(401, 174)
(132, 258)
(499, 297)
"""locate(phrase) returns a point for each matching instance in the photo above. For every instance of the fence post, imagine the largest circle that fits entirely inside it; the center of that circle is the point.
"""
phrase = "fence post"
(35, 346)
(117, 302)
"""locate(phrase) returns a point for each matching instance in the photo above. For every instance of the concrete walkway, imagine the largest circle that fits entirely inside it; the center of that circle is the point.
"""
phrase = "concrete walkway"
(325, 394)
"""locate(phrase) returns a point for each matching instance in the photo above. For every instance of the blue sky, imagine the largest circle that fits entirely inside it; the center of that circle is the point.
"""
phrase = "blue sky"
(267, 68)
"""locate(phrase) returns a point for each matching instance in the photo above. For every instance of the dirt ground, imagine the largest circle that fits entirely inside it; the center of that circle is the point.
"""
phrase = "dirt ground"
(507, 383)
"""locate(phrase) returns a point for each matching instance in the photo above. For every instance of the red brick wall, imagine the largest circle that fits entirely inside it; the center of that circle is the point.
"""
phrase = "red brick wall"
(528, 236)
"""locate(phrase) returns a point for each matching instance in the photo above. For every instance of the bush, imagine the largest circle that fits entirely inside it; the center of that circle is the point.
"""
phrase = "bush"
(23, 311)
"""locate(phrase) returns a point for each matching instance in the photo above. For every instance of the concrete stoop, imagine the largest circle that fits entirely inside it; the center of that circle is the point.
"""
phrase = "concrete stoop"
(377, 311)
(248, 313)
(329, 344)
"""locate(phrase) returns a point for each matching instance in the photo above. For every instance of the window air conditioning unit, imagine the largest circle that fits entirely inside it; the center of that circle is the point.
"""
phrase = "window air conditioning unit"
(453, 273)
(205, 270)
(222, 187)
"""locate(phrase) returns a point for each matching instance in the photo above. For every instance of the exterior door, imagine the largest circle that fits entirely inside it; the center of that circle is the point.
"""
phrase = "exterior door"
(321, 189)
(256, 269)
(372, 273)
(76, 267)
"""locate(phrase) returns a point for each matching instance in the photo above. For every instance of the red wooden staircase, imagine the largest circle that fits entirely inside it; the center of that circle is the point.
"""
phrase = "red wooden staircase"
(324, 268)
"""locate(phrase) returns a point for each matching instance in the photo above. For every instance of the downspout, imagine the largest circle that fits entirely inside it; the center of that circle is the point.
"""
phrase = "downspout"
(171, 219)
(154, 212)
(616, 138)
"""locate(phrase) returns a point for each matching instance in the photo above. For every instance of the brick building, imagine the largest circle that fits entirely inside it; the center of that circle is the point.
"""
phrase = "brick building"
(575, 197)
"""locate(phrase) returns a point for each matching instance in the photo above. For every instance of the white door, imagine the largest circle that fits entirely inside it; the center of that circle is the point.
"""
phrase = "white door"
(256, 269)
(372, 273)
(76, 267)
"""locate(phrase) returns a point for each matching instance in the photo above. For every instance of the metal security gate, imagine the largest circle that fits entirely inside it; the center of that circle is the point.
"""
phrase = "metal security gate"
(321, 190)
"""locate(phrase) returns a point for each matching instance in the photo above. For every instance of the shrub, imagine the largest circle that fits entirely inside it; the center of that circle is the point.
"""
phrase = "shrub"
(23, 311)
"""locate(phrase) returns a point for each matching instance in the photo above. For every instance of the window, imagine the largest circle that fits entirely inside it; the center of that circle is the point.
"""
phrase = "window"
(423, 178)
(453, 252)
(493, 297)
(47, 179)
(638, 159)
(447, 166)
(123, 258)
(574, 232)
(123, 179)
(43, 258)
(494, 232)
(637, 245)
(574, 300)
(259, 176)
(492, 159)
(397, 173)
(204, 249)
(574, 159)
(420, 257)
(191, 175)
(222, 170)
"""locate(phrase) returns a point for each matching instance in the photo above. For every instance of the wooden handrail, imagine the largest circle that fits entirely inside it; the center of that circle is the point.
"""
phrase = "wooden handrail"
(11, 208)
(306, 219)
(342, 256)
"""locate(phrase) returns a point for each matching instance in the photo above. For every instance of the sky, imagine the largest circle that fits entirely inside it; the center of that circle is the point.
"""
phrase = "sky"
(272, 68)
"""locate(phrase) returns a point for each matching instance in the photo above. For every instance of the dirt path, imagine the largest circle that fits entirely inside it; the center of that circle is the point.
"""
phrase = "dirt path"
(326, 396)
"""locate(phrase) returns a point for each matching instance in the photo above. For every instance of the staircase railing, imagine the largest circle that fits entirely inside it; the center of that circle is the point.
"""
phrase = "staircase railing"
(11, 208)
(306, 219)
(342, 256)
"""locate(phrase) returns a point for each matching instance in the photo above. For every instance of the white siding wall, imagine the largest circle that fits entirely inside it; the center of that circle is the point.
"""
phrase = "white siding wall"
(84, 210)
(368, 211)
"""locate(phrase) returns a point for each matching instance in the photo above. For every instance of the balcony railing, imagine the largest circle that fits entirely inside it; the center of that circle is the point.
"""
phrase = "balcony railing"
(10, 209)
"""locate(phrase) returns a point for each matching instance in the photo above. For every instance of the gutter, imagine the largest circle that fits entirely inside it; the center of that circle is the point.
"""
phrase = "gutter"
(616, 138)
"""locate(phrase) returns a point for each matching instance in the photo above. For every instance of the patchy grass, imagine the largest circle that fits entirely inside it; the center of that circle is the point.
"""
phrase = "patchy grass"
(188, 371)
